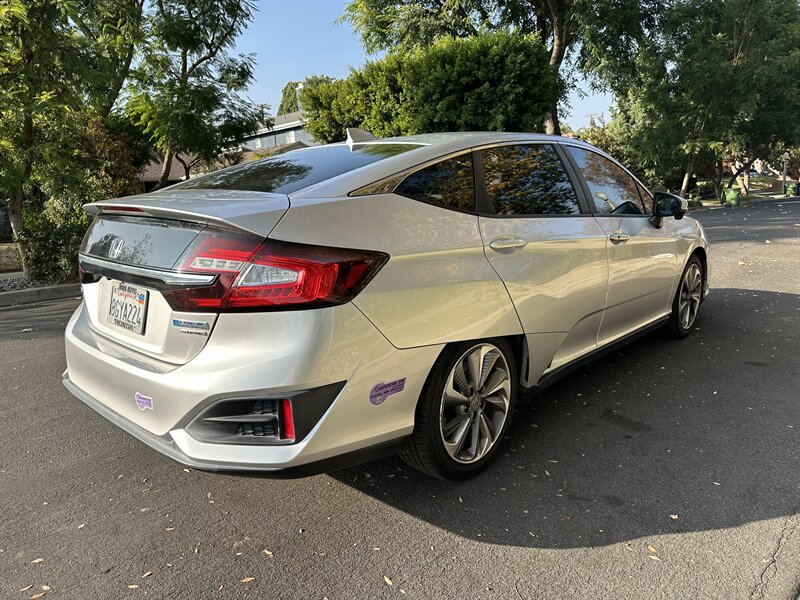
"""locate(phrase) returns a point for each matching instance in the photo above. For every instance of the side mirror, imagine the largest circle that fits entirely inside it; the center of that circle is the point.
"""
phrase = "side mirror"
(669, 205)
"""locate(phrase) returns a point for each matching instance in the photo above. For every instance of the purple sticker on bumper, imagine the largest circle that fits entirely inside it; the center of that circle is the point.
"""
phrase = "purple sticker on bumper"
(143, 402)
(382, 391)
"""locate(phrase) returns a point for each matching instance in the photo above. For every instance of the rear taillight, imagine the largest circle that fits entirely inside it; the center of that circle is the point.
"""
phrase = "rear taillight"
(272, 275)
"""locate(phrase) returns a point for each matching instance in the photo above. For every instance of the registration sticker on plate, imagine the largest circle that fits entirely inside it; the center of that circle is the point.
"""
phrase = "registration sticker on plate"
(128, 307)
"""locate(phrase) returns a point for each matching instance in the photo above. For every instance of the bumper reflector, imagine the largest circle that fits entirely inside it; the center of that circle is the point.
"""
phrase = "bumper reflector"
(284, 419)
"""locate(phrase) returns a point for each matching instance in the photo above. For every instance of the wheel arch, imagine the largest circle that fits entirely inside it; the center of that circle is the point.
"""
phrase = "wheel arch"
(519, 347)
(702, 255)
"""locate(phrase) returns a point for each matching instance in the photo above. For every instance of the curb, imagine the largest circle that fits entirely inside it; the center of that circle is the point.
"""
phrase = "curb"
(53, 292)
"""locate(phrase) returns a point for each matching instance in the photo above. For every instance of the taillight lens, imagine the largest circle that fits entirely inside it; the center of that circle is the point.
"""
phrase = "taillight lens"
(273, 275)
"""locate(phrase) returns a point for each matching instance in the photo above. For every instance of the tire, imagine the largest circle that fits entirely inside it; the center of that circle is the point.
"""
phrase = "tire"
(474, 423)
(690, 289)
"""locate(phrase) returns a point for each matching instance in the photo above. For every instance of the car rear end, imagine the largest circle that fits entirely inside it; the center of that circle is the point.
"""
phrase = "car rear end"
(223, 348)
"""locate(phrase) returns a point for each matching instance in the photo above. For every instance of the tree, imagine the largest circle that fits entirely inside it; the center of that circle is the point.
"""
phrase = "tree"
(55, 57)
(606, 32)
(186, 93)
(496, 81)
(719, 82)
(289, 101)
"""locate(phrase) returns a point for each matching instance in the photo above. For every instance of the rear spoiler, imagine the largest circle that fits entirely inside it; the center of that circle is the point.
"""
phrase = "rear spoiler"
(253, 212)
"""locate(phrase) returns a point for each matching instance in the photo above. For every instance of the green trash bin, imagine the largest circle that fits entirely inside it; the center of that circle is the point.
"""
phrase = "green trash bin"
(790, 189)
(732, 197)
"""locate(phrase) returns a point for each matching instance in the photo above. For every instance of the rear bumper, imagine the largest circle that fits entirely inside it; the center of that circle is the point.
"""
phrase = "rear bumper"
(250, 356)
(169, 447)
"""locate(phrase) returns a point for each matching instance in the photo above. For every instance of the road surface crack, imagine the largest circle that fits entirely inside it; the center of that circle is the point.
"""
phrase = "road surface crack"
(771, 567)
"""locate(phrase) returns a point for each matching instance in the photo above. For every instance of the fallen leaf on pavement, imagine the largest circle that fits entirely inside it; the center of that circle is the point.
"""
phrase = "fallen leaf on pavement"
(387, 580)
(247, 579)
(674, 517)
(133, 586)
(147, 574)
(82, 525)
(37, 560)
(26, 588)
(651, 557)
(651, 548)
(268, 553)
(39, 595)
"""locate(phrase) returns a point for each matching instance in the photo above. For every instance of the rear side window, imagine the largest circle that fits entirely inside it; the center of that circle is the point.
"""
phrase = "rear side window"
(448, 183)
(287, 173)
(528, 180)
(613, 190)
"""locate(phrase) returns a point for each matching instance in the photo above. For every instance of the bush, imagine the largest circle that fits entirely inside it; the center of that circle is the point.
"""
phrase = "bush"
(496, 81)
(54, 236)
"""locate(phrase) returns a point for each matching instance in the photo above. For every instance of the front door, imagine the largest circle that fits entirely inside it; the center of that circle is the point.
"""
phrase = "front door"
(642, 257)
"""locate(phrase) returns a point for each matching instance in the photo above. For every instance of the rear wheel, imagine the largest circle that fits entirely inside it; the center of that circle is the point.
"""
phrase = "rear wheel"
(464, 410)
(686, 303)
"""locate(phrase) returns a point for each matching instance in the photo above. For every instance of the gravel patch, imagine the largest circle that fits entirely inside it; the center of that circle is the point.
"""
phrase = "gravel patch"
(21, 283)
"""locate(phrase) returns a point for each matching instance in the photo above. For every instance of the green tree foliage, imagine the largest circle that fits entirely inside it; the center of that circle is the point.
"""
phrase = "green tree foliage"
(288, 102)
(59, 68)
(600, 35)
(187, 92)
(720, 82)
(495, 81)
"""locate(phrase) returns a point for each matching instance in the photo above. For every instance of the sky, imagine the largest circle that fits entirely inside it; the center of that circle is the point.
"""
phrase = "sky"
(293, 39)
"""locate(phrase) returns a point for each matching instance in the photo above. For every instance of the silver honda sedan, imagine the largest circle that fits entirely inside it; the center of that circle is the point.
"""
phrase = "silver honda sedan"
(333, 304)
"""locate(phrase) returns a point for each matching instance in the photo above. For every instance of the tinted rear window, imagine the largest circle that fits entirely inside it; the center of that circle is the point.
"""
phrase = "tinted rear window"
(287, 173)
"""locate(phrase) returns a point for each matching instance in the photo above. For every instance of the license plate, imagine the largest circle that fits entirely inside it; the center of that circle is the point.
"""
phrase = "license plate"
(128, 307)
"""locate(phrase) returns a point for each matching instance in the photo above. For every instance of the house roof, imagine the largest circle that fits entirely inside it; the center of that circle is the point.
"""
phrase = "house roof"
(292, 120)
(152, 172)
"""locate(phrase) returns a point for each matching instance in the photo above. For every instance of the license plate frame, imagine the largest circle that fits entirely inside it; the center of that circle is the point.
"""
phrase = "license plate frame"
(127, 307)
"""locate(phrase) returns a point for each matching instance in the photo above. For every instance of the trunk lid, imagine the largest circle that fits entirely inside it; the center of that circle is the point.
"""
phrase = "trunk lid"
(131, 258)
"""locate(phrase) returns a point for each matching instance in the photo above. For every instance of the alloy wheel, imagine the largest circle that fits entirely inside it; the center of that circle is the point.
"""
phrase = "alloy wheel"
(475, 403)
(690, 295)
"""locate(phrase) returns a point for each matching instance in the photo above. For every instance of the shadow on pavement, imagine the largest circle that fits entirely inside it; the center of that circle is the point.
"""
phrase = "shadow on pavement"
(706, 429)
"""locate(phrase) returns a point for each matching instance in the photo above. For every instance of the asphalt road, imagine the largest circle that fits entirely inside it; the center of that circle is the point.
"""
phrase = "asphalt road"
(670, 469)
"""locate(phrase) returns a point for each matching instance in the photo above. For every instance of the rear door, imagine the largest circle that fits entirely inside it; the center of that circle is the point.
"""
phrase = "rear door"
(642, 257)
(546, 247)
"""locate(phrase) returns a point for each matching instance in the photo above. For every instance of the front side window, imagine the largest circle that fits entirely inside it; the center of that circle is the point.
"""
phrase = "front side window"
(448, 183)
(528, 180)
(647, 199)
(613, 190)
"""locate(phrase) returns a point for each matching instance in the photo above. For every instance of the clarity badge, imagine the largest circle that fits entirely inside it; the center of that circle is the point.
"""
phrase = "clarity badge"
(143, 402)
(382, 391)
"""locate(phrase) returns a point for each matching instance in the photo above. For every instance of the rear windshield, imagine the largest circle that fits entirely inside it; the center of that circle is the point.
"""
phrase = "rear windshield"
(295, 170)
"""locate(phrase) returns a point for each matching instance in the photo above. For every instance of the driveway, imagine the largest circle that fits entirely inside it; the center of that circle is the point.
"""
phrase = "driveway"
(670, 469)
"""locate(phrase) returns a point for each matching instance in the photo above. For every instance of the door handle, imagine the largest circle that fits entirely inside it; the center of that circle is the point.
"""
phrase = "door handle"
(619, 236)
(507, 243)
